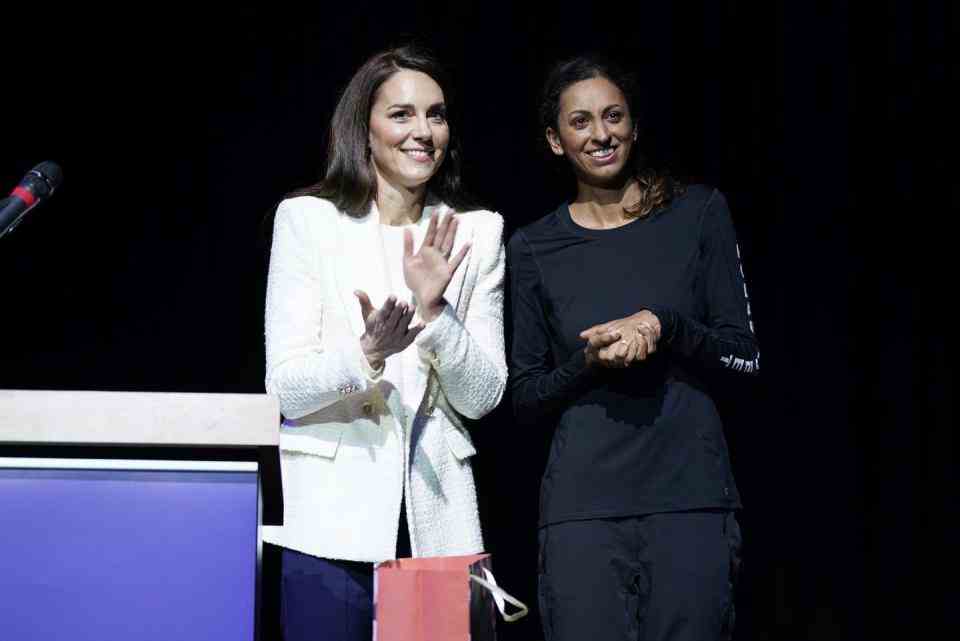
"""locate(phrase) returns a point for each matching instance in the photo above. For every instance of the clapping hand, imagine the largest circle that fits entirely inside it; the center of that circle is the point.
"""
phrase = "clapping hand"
(428, 271)
(388, 329)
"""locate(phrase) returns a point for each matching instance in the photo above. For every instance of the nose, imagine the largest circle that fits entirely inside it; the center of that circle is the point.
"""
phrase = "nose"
(421, 129)
(600, 133)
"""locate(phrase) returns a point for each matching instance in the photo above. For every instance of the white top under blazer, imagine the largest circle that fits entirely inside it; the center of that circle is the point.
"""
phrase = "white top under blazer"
(352, 438)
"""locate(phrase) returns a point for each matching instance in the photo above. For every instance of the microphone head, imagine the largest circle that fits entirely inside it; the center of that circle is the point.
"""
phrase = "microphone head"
(44, 178)
(51, 173)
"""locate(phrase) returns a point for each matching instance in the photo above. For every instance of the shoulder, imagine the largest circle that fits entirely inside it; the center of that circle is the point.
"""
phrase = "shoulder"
(543, 230)
(481, 218)
(544, 226)
(701, 205)
(306, 207)
(699, 193)
(702, 198)
(695, 198)
(306, 220)
(306, 217)
(707, 206)
(483, 221)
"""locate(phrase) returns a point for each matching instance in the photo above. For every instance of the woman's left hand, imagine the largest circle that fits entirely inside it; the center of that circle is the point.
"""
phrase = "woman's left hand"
(428, 271)
(639, 334)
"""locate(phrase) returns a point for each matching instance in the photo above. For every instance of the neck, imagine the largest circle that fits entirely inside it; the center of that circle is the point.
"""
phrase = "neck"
(602, 207)
(399, 205)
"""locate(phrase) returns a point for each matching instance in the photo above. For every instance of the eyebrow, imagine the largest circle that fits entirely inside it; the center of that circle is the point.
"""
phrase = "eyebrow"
(436, 105)
(587, 112)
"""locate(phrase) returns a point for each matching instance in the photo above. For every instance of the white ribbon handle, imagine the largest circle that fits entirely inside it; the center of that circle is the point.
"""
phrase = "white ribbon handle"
(501, 597)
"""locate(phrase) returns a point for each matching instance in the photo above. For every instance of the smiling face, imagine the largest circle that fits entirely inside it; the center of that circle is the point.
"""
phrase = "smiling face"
(594, 130)
(408, 129)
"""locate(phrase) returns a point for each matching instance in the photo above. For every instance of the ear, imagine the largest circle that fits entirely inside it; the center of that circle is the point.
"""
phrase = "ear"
(634, 133)
(553, 139)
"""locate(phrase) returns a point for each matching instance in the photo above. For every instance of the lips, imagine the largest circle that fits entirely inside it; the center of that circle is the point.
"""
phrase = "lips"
(420, 155)
(602, 153)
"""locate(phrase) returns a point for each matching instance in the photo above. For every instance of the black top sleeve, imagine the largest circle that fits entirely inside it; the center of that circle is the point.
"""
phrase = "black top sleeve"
(726, 339)
(538, 387)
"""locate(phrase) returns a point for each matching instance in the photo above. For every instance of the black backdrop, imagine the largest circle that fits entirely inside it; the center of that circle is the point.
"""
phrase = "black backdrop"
(823, 123)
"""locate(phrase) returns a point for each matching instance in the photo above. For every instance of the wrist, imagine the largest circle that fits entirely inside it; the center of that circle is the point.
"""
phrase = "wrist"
(589, 357)
(375, 358)
(375, 361)
(648, 317)
(432, 311)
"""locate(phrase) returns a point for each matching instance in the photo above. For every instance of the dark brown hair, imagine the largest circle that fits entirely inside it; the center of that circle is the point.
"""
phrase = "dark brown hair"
(657, 188)
(349, 180)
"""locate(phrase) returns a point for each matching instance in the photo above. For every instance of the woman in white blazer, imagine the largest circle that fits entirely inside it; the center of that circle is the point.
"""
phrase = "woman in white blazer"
(384, 329)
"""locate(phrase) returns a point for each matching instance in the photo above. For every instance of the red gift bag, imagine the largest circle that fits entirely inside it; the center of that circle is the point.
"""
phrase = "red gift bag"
(446, 598)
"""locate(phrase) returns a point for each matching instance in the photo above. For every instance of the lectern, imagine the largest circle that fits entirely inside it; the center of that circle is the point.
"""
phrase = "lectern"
(134, 515)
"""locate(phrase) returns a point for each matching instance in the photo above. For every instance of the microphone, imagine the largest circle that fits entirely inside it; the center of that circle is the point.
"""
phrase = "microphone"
(38, 185)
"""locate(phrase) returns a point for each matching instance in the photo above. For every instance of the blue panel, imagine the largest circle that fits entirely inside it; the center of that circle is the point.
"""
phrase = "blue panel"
(103, 555)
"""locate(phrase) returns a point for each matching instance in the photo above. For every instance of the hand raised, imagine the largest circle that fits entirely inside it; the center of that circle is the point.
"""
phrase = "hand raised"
(428, 271)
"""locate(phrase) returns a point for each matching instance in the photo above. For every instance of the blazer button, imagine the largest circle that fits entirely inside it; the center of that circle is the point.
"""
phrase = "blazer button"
(348, 388)
(367, 408)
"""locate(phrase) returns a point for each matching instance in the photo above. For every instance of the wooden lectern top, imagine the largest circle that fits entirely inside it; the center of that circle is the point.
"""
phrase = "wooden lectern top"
(138, 418)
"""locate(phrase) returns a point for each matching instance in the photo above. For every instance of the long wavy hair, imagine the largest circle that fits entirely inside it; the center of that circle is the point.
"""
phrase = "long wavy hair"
(349, 179)
(657, 187)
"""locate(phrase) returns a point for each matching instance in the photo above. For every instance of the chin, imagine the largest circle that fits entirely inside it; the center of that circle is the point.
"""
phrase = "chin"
(420, 177)
(425, 170)
(604, 176)
(412, 181)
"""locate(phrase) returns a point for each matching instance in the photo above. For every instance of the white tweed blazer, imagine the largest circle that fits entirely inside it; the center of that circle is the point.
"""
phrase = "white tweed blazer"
(346, 451)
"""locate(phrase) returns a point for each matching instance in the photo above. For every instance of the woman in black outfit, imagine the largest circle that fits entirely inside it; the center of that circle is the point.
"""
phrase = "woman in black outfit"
(621, 300)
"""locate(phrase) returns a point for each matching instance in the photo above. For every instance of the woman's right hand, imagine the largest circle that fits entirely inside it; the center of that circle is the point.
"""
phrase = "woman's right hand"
(598, 349)
(388, 329)
(623, 342)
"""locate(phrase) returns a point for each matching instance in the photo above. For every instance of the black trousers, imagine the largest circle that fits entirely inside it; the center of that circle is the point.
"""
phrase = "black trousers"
(307, 598)
(656, 577)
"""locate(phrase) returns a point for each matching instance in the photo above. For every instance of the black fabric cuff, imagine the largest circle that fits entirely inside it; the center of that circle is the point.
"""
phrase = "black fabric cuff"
(668, 322)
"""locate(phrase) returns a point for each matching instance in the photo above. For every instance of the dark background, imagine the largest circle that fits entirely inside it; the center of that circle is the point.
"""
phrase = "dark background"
(827, 126)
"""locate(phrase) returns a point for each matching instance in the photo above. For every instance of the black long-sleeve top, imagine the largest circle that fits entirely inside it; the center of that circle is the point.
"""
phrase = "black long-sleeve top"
(647, 438)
